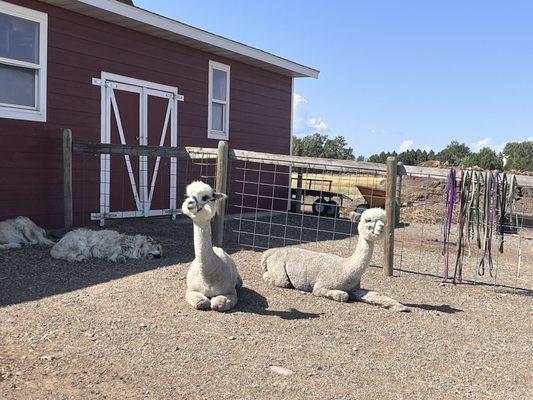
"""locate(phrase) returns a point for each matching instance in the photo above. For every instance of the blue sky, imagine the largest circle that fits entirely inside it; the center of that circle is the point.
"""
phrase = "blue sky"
(394, 74)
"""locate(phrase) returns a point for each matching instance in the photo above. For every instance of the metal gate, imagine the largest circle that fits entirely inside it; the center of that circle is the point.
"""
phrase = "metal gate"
(117, 125)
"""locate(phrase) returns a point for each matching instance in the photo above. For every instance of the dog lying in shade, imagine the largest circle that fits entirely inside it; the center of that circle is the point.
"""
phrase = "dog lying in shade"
(18, 232)
(82, 244)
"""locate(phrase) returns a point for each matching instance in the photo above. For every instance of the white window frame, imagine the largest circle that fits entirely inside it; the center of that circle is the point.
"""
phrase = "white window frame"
(211, 133)
(37, 113)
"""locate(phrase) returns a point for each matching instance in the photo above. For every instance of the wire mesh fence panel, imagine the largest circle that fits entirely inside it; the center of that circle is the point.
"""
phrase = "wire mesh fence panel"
(111, 186)
(279, 205)
(420, 246)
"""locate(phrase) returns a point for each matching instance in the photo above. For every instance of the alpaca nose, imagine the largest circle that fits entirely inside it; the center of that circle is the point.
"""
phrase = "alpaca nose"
(191, 204)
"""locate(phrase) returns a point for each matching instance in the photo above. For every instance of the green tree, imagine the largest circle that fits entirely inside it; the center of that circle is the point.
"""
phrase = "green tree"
(322, 146)
(519, 155)
(486, 158)
(360, 158)
(454, 153)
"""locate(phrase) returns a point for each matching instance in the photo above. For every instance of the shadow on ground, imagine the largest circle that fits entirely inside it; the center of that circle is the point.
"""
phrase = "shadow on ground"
(252, 302)
(443, 308)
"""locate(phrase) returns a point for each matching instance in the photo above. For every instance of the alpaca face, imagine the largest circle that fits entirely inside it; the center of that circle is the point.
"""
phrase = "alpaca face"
(199, 204)
(372, 224)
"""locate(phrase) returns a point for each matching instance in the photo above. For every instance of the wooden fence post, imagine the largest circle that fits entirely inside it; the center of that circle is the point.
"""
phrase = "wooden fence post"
(221, 187)
(390, 208)
(67, 178)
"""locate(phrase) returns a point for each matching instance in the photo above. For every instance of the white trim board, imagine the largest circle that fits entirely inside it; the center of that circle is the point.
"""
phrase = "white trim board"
(157, 25)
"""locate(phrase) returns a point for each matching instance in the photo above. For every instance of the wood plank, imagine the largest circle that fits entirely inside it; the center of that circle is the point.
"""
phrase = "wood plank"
(390, 209)
(67, 178)
(138, 150)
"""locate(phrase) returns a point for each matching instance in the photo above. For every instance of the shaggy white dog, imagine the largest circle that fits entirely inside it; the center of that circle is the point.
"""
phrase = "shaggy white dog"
(81, 244)
(15, 233)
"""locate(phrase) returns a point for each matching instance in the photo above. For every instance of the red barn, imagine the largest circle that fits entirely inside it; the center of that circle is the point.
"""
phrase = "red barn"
(115, 73)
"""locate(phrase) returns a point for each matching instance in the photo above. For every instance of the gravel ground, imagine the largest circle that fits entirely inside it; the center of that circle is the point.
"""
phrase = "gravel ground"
(103, 331)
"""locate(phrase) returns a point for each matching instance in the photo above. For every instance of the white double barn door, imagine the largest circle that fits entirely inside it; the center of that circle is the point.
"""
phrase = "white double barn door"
(145, 113)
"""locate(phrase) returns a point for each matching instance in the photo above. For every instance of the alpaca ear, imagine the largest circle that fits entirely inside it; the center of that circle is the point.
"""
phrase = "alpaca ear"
(219, 196)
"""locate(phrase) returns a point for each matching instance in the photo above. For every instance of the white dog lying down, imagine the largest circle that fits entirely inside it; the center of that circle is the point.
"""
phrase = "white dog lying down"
(81, 244)
(15, 233)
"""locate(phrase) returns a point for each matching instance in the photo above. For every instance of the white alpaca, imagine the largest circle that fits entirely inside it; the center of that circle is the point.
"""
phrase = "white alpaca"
(15, 233)
(212, 279)
(81, 244)
(328, 275)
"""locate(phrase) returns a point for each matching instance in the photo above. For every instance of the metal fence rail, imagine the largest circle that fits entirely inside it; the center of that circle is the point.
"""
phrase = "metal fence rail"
(282, 200)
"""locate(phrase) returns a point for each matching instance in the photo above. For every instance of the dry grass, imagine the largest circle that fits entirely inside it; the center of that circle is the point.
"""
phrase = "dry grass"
(341, 183)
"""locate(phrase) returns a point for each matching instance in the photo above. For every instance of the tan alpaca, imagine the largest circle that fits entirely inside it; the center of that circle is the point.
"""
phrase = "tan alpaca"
(212, 279)
(328, 275)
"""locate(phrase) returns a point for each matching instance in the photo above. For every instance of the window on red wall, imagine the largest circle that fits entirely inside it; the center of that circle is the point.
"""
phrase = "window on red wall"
(23, 45)
(218, 102)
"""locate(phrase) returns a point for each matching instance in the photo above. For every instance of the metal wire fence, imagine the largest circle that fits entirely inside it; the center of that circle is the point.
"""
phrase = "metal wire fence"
(116, 186)
(279, 200)
(281, 203)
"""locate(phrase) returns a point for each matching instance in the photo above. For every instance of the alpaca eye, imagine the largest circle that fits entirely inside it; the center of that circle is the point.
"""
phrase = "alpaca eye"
(205, 198)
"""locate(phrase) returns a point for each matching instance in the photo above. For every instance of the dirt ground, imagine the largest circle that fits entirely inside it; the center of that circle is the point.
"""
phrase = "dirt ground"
(98, 330)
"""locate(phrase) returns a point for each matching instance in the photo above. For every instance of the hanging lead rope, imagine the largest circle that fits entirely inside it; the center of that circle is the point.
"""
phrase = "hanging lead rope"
(465, 184)
(504, 187)
(448, 216)
(510, 200)
(489, 209)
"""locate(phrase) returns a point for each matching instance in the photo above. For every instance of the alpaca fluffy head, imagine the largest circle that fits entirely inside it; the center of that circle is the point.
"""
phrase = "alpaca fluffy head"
(199, 203)
(372, 224)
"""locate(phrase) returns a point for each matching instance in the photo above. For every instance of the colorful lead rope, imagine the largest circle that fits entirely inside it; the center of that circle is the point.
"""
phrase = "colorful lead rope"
(451, 192)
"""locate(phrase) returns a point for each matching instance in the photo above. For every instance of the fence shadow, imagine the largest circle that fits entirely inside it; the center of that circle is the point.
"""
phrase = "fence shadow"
(264, 230)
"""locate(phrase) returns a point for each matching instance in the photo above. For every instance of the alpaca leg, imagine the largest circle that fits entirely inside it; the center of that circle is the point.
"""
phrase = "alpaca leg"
(198, 300)
(371, 297)
(223, 302)
(337, 295)
(8, 246)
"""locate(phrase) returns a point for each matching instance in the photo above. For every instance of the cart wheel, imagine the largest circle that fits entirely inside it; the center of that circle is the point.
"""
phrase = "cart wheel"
(321, 207)
(361, 208)
(334, 209)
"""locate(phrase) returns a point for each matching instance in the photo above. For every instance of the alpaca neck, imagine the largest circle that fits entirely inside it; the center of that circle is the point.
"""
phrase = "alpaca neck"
(358, 262)
(203, 245)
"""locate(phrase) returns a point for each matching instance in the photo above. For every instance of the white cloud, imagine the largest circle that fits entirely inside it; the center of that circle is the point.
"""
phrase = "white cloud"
(406, 145)
(317, 123)
(482, 143)
(303, 123)
(529, 139)
(500, 147)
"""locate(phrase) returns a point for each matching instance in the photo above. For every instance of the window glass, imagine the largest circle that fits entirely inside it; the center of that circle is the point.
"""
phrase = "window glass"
(19, 38)
(219, 84)
(217, 117)
(18, 85)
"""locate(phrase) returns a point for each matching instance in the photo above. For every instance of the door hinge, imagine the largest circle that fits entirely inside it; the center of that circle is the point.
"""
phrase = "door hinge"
(178, 97)
(103, 82)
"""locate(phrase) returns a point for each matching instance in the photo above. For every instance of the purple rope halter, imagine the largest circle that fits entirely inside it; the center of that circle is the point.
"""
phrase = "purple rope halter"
(451, 192)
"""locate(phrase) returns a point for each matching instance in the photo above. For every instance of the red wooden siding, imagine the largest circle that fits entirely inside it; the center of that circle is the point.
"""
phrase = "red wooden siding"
(80, 48)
